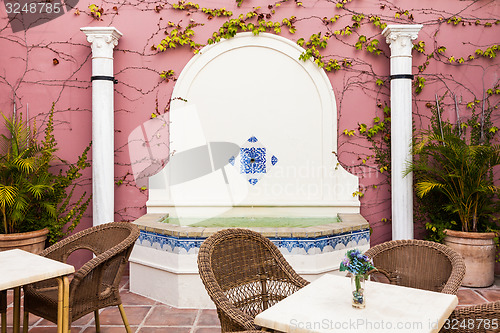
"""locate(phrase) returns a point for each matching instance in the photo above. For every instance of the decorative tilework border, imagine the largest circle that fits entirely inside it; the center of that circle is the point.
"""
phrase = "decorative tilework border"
(323, 244)
(286, 245)
(168, 243)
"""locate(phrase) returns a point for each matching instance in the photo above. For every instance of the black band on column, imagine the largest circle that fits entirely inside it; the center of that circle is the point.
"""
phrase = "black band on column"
(104, 78)
(401, 76)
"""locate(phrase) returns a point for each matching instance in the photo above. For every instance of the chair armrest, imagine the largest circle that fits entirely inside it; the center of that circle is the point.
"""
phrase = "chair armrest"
(384, 276)
(484, 317)
(456, 276)
(95, 268)
(61, 250)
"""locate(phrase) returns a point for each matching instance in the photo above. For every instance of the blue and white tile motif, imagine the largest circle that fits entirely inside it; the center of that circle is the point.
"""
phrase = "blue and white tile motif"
(323, 244)
(169, 243)
(252, 161)
(305, 246)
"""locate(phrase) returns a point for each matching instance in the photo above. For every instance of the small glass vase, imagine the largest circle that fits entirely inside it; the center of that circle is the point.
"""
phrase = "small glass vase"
(358, 291)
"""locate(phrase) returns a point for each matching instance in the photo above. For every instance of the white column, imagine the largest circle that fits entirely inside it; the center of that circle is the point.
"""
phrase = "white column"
(399, 38)
(102, 40)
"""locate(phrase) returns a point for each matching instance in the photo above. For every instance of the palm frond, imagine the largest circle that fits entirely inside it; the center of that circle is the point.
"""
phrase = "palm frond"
(7, 195)
(39, 190)
(423, 188)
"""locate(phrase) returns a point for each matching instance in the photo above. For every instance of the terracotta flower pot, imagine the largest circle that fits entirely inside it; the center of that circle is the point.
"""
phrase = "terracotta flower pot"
(33, 241)
(478, 250)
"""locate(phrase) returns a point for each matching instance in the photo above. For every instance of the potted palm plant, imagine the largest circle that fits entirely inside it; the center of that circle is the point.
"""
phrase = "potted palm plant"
(453, 168)
(36, 187)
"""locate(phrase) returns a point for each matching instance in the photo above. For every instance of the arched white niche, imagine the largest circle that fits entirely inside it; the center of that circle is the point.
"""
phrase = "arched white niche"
(253, 92)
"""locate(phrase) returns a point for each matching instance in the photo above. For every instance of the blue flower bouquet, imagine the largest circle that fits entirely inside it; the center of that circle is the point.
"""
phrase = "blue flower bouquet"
(359, 266)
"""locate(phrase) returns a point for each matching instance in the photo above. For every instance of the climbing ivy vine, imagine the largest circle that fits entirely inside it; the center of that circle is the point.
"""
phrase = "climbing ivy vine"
(346, 24)
(343, 37)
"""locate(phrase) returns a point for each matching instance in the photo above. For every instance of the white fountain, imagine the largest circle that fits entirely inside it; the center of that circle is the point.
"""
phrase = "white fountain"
(253, 137)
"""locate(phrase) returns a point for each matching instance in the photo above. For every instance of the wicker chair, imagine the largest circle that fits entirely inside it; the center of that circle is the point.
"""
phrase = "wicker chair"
(244, 274)
(419, 264)
(96, 284)
(3, 310)
(482, 318)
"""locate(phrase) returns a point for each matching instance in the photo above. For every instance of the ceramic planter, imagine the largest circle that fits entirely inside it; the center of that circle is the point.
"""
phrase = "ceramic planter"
(478, 250)
(33, 241)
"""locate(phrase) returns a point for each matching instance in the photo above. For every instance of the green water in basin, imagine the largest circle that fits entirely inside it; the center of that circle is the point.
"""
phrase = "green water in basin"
(269, 222)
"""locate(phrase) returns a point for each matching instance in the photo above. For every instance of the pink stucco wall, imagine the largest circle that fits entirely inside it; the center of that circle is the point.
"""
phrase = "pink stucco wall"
(28, 74)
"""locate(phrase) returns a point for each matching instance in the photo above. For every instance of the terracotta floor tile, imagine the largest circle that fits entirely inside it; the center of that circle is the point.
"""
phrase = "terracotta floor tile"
(85, 320)
(10, 297)
(32, 318)
(124, 282)
(163, 315)
(207, 330)
(491, 295)
(108, 329)
(469, 297)
(208, 318)
(165, 330)
(45, 322)
(135, 315)
(129, 298)
(51, 330)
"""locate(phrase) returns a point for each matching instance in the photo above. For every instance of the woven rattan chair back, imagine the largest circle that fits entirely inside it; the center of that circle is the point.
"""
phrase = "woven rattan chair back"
(96, 284)
(244, 273)
(419, 264)
(482, 318)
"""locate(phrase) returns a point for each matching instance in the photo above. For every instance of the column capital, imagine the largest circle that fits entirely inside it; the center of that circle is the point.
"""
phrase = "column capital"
(102, 40)
(399, 37)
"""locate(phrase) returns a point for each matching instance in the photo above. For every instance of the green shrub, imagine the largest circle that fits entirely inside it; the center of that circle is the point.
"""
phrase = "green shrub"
(36, 186)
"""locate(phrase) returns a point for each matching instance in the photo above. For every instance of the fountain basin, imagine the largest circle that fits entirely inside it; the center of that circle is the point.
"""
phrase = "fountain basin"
(163, 263)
